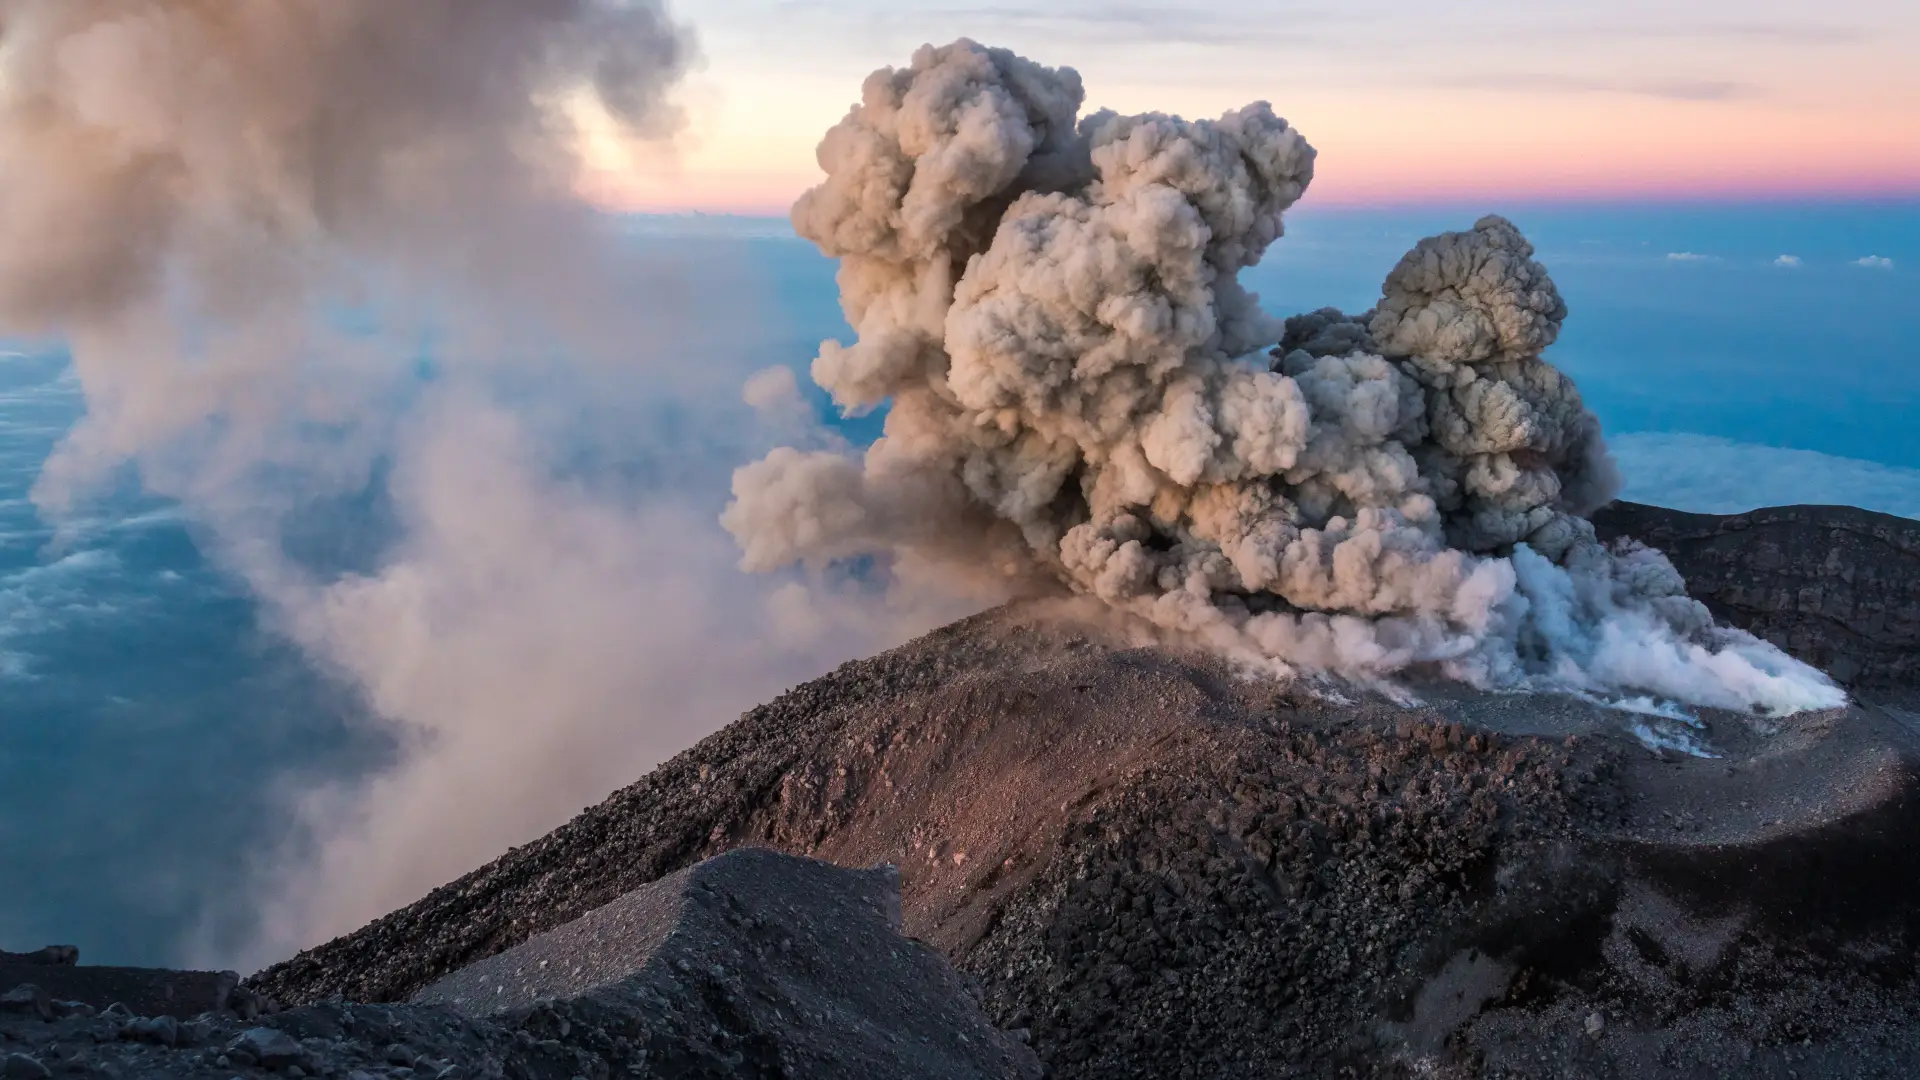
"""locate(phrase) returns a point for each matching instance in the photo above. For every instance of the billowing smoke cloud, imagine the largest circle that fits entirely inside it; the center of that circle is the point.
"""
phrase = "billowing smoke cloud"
(1080, 389)
(313, 255)
(185, 180)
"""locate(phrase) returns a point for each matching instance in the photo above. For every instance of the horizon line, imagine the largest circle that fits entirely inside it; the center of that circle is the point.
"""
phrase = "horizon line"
(1596, 200)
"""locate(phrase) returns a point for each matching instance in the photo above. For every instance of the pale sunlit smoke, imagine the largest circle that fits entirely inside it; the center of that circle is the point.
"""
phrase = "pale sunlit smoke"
(1080, 388)
(312, 254)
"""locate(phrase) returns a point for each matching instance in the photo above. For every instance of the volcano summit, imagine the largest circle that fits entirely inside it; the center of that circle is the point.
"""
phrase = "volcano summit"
(1080, 391)
(1331, 737)
(1157, 865)
(1335, 724)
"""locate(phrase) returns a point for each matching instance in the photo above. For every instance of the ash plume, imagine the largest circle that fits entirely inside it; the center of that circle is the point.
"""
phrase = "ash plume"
(1081, 391)
(310, 253)
(185, 179)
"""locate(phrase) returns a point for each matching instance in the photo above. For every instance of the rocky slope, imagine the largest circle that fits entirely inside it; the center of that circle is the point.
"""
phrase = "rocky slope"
(752, 963)
(1157, 865)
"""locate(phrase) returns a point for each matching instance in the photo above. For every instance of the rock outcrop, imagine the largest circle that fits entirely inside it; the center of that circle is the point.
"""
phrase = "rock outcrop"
(50, 956)
(1837, 586)
(147, 991)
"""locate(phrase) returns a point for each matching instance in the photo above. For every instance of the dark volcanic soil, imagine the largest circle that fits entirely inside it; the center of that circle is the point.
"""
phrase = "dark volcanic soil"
(1160, 867)
(752, 963)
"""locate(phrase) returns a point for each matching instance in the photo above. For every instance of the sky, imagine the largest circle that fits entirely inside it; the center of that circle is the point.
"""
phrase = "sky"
(1407, 103)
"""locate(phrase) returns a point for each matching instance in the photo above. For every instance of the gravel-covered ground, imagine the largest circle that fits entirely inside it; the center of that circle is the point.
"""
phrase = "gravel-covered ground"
(353, 1042)
(1159, 866)
(753, 964)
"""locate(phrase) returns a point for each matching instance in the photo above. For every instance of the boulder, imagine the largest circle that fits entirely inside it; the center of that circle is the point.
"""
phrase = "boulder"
(50, 956)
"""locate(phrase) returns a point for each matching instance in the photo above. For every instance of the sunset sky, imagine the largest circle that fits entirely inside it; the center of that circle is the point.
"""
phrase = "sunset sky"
(1407, 103)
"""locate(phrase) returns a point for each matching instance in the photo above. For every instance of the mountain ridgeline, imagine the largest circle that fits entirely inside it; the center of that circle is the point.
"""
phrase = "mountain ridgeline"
(1156, 865)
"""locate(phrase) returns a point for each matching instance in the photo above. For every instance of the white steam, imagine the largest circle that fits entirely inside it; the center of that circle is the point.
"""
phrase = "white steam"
(314, 253)
(1080, 389)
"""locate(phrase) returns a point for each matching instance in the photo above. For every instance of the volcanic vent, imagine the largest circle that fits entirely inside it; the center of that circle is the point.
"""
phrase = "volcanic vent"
(1080, 390)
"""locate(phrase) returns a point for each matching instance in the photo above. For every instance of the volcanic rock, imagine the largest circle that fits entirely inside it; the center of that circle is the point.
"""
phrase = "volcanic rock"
(147, 991)
(1836, 586)
(754, 964)
(51, 956)
(22, 1067)
(27, 999)
(266, 1047)
(800, 962)
(1160, 865)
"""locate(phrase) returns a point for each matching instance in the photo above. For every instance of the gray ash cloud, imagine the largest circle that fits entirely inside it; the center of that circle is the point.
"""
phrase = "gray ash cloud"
(1080, 389)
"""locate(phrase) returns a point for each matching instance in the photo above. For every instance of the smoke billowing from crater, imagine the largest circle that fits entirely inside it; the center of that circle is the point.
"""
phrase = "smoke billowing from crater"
(1080, 389)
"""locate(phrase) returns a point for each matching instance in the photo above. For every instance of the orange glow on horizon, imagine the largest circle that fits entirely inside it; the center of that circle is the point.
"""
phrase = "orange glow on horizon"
(1359, 184)
(1651, 118)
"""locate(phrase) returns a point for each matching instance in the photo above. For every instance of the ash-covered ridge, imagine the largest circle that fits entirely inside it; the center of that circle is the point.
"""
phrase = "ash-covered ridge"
(752, 963)
(1080, 390)
(1154, 863)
